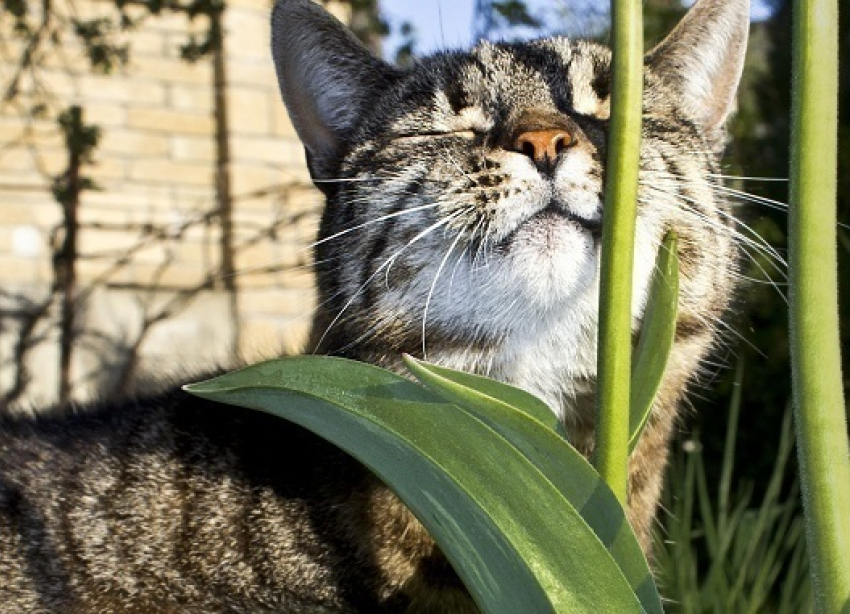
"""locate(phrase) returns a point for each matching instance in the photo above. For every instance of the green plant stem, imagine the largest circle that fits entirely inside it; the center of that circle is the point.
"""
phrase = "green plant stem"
(820, 418)
(615, 293)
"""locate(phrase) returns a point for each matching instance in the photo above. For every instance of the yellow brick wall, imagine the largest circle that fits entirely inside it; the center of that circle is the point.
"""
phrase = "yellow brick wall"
(155, 169)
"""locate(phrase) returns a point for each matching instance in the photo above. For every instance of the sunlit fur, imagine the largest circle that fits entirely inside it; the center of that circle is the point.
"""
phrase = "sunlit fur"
(442, 237)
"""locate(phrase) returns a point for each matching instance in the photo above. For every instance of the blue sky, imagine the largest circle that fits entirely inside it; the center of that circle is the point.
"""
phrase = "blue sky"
(439, 23)
(448, 23)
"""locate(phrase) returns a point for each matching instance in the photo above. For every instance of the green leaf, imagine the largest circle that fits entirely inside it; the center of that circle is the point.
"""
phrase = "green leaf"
(476, 387)
(513, 539)
(656, 337)
(516, 416)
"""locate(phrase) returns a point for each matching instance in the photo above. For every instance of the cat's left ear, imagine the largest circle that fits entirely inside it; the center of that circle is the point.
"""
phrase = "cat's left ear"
(326, 77)
(702, 58)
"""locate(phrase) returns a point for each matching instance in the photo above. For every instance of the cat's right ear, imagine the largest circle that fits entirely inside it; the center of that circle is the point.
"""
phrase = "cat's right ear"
(326, 77)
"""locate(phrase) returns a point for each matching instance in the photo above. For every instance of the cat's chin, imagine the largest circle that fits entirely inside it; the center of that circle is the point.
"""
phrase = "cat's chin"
(552, 258)
(554, 229)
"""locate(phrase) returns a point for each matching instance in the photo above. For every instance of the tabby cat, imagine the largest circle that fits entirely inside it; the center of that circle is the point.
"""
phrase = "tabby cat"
(464, 203)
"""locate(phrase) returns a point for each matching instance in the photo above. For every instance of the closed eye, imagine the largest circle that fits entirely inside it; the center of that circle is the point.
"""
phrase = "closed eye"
(463, 134)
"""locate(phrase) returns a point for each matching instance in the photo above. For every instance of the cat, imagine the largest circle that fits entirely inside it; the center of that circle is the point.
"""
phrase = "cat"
(464, 207)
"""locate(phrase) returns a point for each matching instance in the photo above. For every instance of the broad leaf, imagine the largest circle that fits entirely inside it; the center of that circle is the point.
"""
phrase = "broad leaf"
(485, 390)
(656, 337)
(567, 470)
(514, 540)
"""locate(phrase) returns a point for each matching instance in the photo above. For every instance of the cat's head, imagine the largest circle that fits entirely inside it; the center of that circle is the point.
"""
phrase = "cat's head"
(465, 194)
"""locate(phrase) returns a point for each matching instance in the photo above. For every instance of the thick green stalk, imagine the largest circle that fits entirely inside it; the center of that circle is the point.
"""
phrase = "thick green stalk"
(816, 356)
(615, 294)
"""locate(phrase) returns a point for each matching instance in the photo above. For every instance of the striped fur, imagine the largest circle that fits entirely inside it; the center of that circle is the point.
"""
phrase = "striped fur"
(441, 238)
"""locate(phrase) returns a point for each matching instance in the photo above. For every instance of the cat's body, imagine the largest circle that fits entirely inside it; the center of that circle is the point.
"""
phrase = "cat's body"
(183, 505)
(464, 208)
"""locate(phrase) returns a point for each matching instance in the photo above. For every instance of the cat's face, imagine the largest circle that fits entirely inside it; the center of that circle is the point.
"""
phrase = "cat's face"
(500, 153)
(465, 196)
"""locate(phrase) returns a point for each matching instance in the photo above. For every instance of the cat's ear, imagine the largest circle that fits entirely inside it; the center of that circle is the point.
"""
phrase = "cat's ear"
(326, 76)
(702, 58)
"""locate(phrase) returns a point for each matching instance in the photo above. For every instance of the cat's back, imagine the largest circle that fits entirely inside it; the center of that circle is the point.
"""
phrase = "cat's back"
(172, 503)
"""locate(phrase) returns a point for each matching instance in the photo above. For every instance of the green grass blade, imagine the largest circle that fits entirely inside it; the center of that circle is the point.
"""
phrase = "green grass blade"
(704, 501)
(728, 466)
(686, 574)
(755, 562)
(796, 595)
(656, 337)
(567, 470)
(765, 518)
(469, 487)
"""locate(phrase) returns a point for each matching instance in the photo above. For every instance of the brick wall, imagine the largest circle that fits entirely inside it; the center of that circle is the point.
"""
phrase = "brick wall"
(149, 237)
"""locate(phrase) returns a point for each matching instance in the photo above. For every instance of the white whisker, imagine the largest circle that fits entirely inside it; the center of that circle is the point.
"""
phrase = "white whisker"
(377, 220)
(746, 178)
(434, 285)
(753, 198)
(386, 263)
(761, 245)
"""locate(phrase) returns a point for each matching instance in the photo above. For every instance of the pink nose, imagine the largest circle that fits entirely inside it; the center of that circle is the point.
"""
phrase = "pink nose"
(542, 145)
